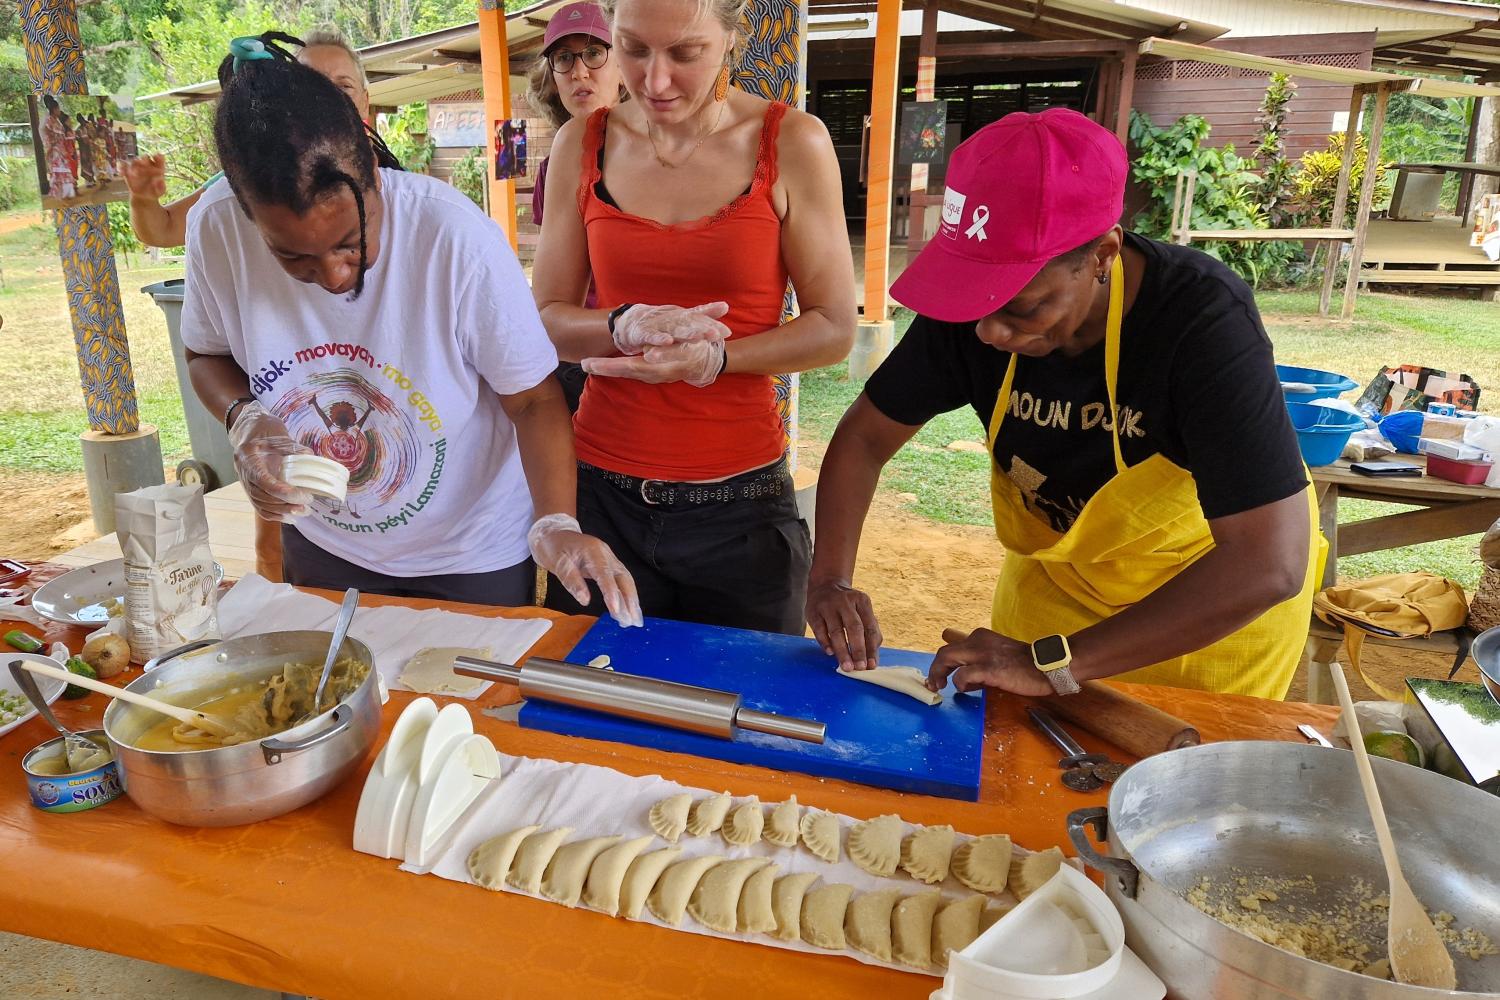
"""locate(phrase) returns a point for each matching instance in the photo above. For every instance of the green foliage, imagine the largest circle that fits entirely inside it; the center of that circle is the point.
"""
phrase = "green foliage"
(471, 174)
(1226, 195)
(1427, 130)
(18, 185)
(1317, 180)
(1275, 188)
(121, 233)
(405, 132)
(15, 82)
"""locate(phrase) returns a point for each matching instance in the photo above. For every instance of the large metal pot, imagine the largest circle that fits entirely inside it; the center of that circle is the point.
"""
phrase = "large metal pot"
(1287, 811)
(249, 782)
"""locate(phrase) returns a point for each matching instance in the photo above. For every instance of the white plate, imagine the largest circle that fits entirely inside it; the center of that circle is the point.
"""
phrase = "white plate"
(78, 597)
(51, 690)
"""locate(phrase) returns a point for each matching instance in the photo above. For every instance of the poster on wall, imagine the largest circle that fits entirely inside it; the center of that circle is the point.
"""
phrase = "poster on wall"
(81, 142)
(457, 124)
(510, 148)
(924, 126)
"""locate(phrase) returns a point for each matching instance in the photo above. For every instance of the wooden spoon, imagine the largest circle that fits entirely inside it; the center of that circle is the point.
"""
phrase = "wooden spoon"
(1418, 957)
(207, 723)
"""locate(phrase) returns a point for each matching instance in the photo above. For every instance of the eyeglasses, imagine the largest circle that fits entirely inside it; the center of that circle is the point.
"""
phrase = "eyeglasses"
(593, 56)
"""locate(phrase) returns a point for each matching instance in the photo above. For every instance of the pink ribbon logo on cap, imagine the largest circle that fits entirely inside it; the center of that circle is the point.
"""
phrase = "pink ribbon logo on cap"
(976, 229)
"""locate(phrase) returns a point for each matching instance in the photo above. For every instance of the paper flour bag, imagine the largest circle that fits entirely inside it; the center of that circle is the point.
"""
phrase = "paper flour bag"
(171, 596)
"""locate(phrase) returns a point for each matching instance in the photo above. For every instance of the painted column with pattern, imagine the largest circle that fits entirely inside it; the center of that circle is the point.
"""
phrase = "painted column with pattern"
(773, 46)
(54, 60)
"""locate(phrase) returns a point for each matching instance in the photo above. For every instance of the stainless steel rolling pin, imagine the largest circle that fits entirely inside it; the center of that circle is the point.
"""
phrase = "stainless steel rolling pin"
(663, 703)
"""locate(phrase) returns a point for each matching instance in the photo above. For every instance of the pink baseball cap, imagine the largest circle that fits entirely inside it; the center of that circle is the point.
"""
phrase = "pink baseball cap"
(1021, 191)
(576, 19)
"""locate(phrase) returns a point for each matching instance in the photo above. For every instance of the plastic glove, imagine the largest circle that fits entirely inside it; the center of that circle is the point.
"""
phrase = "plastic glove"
(642, 326)
(146, 177)
(261, 444)
(559, 546)
(698, 363)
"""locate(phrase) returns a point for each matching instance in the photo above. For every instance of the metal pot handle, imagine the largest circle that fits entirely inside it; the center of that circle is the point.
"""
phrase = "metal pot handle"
(182, 650)
(274, 748)
(1097, 817)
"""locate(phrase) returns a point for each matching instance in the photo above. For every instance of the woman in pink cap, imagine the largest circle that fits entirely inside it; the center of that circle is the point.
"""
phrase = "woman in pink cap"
(576, 76)
(1157, 519)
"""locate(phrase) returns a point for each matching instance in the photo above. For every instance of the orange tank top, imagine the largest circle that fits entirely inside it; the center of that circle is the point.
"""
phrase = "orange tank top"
(676, 432)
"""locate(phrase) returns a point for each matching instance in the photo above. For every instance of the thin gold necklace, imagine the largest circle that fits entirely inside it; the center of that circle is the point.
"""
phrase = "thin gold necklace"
(651, 135)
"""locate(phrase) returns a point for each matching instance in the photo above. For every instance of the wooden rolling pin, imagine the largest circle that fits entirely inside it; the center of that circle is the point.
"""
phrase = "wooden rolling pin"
(1129, 723)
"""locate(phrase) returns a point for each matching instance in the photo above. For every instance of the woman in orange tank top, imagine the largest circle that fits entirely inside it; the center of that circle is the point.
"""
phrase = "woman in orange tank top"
(692, 205)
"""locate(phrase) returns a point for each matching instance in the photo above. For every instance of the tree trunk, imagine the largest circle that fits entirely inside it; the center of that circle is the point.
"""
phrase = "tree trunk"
(1487, 144)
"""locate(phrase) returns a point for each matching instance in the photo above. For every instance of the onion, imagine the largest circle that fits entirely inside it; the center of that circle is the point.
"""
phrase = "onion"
(107, 654)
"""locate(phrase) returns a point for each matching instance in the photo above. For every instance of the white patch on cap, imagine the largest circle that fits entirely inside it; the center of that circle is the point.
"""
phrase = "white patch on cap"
(953, 212)
(575, 15)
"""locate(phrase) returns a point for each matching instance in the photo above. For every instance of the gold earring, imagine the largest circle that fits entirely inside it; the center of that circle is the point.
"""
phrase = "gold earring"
(721, 85)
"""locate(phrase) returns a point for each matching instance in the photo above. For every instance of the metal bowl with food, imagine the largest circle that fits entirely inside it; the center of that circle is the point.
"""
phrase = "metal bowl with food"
(1226, 860)
(188, 779)
(1486, 653)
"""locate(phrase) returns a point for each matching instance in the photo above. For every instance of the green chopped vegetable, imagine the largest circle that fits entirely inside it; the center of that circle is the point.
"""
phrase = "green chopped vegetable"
(12, 707)
(77, 666)
(17, 639)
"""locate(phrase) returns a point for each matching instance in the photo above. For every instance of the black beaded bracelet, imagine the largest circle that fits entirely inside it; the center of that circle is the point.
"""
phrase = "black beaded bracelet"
(233, 407)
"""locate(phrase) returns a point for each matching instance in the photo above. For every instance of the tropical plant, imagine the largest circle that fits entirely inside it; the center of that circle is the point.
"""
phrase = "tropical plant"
(1317, 180)
(471, 173)
(18, 184)
(121, 232)
(405, 132)
(1275, 189)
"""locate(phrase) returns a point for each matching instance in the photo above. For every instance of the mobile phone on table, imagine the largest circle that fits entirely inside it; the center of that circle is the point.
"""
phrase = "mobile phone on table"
(1387, 468)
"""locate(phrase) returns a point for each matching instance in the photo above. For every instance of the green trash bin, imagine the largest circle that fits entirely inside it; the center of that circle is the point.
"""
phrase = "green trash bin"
(212, 464)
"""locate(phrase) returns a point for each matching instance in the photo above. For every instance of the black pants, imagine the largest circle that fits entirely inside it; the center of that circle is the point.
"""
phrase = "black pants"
(740, 563)
(306, 565)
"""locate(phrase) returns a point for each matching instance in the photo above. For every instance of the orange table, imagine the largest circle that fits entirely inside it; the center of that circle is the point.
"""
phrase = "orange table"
(287, 904)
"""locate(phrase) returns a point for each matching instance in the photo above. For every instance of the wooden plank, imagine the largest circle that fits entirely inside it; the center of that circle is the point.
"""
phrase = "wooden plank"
(1341, 197)
(1439, 241)
(1424, 489)
(1328, 523)
(1366, 197)
(1439, 642)
(1026, 50)
(1125, 96)
(1440, 277)
(883, 95)
(1271, 234)
(1414, 527)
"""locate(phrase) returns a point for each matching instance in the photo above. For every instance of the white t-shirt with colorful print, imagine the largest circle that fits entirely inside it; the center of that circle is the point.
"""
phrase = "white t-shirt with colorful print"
(399, 385)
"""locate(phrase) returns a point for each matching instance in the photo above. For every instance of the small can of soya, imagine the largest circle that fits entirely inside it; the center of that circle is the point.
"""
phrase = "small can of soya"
(58, 786)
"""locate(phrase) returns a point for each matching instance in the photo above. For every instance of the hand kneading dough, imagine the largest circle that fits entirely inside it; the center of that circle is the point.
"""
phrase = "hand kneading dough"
(907, 680)
(983, 864)
(823, 916)
(786, 903)
(1030, 873)
(867, 923)
(669, 900)
(784, 827)
(563, 882)
(911, 928)
(602, 890)
(925, 854)
(669, 817)
(489, 863)
(955, 927)
(744, 825)
(875, 845)
(640, 879)
(820, 832)
(430, 671)
(716, 901)
(532, 858)
(754, 912)
(707, 815)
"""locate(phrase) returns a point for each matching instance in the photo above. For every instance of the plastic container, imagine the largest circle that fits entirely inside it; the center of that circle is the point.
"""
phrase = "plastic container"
(1303, 385)
(212, 463)
(1466, 473)
(1322, 431)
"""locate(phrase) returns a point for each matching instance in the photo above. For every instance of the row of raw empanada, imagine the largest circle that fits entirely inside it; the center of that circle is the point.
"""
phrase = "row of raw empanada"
(743, 896)
(746, 824)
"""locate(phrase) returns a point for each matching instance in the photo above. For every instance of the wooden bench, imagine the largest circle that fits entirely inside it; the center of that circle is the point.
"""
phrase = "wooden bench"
(1324, 642)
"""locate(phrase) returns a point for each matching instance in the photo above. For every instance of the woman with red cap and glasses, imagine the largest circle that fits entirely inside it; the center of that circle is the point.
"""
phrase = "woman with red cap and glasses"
(1157, 519)
(575, 77)
(691, 205)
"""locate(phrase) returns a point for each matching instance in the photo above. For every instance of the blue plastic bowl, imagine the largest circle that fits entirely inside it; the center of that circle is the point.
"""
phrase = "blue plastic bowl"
(1322, 431)
(1325, 385)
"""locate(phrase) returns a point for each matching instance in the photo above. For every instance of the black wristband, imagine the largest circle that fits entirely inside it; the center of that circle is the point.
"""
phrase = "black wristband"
(615, 314)
(233, 408)
(723, 359)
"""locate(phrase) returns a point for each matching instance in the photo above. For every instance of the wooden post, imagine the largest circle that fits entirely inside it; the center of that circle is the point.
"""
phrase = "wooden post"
(54, 59)
(916, 226)
(1366, 198)
(1183, 236)
(1126, 96)
(494, 60)
(1466, 179)
(882, 153)
(1341, 198)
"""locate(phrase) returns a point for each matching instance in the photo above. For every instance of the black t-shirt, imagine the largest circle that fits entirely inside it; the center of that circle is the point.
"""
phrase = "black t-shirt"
(1196, 385)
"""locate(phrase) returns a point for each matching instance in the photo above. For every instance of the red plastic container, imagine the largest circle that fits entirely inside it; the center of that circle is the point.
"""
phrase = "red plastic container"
(1467, 473)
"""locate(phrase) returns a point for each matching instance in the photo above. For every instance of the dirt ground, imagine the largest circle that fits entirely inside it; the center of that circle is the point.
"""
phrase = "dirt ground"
(45, 513)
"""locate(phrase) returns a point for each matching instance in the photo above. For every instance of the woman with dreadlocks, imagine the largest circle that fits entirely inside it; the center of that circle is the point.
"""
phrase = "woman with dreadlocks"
(379, 319)
(326, 51)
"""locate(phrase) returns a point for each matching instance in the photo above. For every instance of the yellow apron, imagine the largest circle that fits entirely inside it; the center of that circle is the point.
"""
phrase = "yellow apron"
(1139, 531)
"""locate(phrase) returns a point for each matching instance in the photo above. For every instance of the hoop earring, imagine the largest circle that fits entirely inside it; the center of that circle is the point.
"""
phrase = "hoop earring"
(721, 85)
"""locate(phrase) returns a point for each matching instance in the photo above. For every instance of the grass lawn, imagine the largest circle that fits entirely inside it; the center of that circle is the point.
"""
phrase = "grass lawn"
(1452, 334)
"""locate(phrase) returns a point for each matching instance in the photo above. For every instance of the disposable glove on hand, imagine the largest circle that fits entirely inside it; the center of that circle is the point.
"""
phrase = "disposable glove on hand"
(261, 444)
(643, 326)
(559, 546)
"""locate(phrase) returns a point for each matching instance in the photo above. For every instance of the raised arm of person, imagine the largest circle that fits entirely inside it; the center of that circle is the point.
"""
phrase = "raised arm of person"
(156, 225)
(842, 617)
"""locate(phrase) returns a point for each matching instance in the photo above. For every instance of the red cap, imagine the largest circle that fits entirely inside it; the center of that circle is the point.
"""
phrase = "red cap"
(1021, 191)
(576, 19)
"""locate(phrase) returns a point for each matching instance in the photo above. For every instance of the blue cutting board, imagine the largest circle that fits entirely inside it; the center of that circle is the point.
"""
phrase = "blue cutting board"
(875, 737)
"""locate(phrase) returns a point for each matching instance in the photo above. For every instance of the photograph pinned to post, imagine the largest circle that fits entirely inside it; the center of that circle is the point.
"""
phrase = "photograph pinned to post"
(81, 142)
(924, 131)
(510, 148)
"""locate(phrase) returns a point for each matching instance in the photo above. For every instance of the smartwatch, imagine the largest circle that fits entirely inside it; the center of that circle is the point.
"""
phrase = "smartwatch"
(1053, 658)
